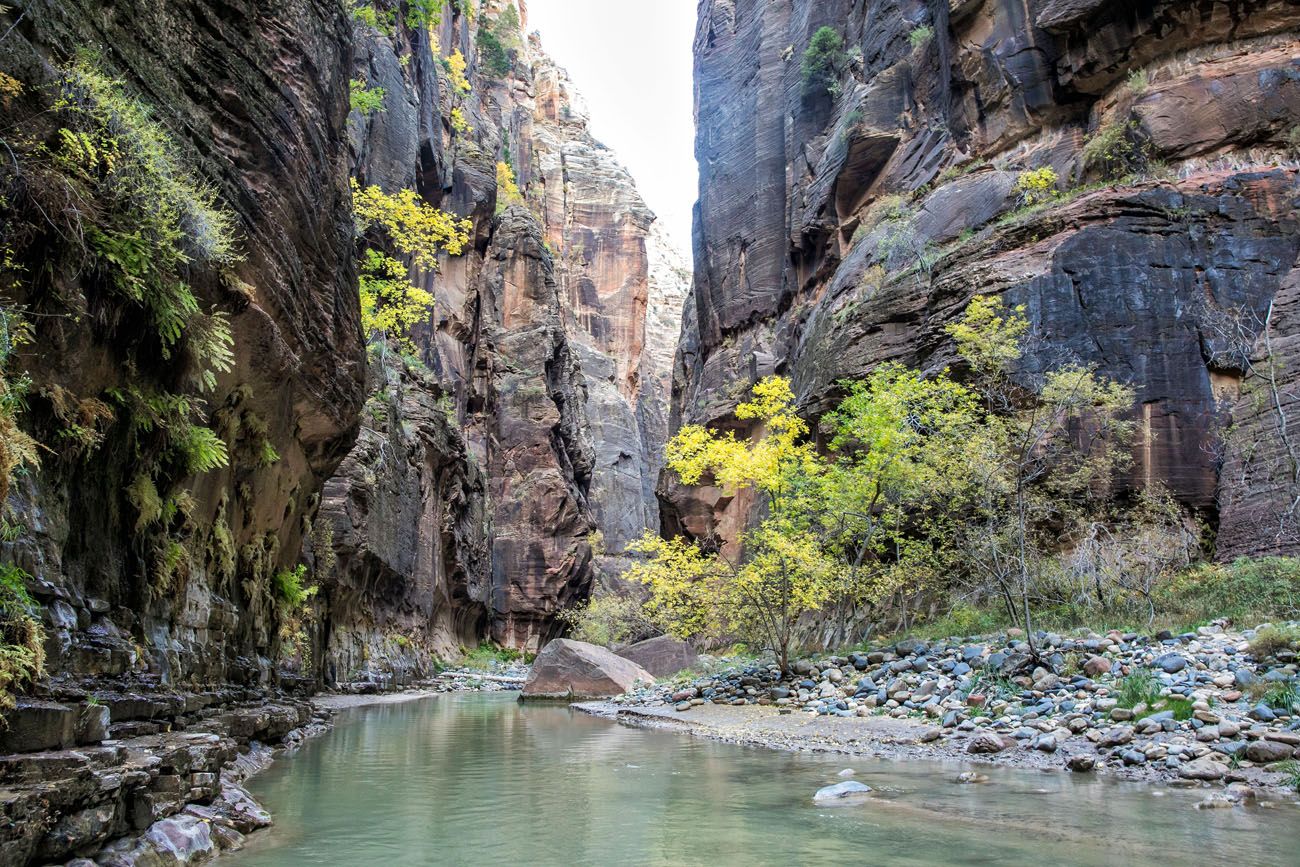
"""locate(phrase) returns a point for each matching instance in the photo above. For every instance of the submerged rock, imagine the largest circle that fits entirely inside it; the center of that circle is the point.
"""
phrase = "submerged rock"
(567, 669)
(847, 790)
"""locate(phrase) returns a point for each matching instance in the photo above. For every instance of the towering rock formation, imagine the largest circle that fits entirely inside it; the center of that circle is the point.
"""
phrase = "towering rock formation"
(842, 227)
(146, 572)
(551, 351)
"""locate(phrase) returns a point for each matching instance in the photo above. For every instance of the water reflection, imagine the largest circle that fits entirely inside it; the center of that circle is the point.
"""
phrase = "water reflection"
(481, 780)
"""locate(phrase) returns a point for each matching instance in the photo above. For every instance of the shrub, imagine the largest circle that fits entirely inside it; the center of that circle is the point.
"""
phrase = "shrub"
(382, 21)
(608, 619)
(1272, 640)
(414, 228)
(1248, 591)
(1117, 150)
(459, 125)
(507, 187)
(487, 656)
(390, 304)
(426, 14)
(365, 100)
(493, 54)
(1138, 82)
(456, 66)
(823, 61)
(1037, 186)
(920, 36)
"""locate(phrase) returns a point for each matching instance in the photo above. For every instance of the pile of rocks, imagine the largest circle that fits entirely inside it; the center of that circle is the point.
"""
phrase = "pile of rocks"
(495, 678)
(1206, 707)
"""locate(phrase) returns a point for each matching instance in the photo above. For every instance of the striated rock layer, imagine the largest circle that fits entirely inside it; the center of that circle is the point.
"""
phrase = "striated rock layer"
(435, 498)
(254, 100)
(835, 232)
(549, 356)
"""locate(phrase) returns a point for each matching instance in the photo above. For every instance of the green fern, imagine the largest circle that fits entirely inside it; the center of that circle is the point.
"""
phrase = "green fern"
(289, 589)
(201, 450)
(142, 493)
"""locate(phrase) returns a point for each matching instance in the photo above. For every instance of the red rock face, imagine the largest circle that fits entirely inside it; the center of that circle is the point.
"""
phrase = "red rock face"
(837, 233)
(551, 347)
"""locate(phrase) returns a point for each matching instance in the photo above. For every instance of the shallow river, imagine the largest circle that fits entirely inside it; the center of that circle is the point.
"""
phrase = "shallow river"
(477, 779)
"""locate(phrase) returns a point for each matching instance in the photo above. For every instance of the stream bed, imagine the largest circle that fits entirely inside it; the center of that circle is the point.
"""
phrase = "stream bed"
(478, 779)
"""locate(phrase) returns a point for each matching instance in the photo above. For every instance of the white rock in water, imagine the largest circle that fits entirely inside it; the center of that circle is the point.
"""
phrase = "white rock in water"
(847, 772)
(841, 791)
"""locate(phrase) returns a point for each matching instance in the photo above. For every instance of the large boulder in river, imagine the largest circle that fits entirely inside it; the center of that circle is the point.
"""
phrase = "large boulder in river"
(567, 669)
(661, 656)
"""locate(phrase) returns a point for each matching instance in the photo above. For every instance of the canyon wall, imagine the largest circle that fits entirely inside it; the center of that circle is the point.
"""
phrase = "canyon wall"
(436, 495)
(549, 354)
(150, 575)
(842, 227)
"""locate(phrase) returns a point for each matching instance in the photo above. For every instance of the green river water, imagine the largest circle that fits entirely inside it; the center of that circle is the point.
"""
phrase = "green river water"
(478, 779)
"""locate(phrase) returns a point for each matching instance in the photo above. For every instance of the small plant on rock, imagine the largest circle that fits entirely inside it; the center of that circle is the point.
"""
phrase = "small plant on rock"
(22, 640)
(1283, 696)
(1291, 771)
(920, 36)
(1117, 150)
(1139, 688)
(365, 100)
(1271, 640)
(1138, 82)
(1037, 186)
(288, 587)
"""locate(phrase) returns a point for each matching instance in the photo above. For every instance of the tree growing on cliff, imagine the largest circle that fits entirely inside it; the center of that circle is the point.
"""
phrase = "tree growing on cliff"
(390, 303)
(824, 62)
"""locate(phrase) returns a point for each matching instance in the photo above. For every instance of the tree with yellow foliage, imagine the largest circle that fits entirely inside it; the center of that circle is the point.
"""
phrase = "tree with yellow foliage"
(784, 572)
(390, 304)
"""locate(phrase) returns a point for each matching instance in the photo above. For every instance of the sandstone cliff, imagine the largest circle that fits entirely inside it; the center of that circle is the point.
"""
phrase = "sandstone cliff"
(842, 227)
(436, 499)
(549, 354)
(146, 571)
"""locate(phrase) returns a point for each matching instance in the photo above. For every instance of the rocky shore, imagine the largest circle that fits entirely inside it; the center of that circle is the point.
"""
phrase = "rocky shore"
(150, 783)
(1206, 708)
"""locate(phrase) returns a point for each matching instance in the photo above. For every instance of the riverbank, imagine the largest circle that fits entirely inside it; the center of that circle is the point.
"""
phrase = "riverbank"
(175, 792)
(1202, 709)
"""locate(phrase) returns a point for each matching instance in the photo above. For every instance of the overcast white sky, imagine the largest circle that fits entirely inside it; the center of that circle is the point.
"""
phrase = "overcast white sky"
(631, 61)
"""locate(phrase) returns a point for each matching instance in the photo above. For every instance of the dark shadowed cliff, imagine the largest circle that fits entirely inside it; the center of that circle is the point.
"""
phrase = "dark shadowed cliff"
(840, 227)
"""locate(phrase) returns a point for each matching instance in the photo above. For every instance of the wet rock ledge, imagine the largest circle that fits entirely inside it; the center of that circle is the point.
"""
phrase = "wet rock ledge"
(163, 790)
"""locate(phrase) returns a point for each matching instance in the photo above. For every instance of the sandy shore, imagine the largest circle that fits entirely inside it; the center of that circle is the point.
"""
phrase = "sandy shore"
(345, 701)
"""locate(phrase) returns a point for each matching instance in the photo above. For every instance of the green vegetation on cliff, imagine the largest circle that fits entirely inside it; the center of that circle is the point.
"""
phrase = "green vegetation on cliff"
(923, 484)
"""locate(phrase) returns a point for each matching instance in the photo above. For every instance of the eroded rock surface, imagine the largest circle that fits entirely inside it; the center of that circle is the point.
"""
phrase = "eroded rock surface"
(836, 233)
